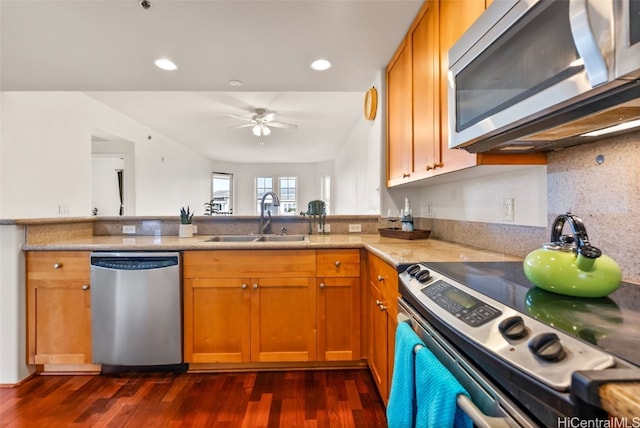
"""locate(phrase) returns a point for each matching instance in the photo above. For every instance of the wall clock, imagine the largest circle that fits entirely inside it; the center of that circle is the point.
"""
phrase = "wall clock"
(370, 104)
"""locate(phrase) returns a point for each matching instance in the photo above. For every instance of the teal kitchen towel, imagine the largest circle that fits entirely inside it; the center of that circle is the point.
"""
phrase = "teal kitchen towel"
(436, 394)
(401, 410)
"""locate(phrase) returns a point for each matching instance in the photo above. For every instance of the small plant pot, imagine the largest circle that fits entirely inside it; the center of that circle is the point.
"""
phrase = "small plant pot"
(185, 231)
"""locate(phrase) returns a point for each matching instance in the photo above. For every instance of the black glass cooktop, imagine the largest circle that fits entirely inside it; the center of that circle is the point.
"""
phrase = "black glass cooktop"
(611, 323)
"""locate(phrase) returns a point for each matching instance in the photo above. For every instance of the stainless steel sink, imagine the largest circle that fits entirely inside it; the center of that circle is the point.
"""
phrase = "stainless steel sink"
(257, 238)
(282, 238)
(233, 238)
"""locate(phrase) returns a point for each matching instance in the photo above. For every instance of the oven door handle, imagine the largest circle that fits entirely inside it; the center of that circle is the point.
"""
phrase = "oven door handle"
(465, 404)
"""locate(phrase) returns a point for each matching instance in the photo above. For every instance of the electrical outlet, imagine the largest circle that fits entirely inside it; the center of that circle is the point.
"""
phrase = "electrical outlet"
(327, 228)
(129, 230)
(63, 209)
(353, 228)
(507, 209)
(195, 228)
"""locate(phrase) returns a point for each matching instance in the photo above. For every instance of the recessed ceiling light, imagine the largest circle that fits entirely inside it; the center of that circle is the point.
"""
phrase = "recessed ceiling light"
(165, 64)
(321, 64)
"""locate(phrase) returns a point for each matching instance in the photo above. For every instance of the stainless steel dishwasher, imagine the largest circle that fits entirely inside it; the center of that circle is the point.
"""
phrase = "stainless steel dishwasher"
(136, 308)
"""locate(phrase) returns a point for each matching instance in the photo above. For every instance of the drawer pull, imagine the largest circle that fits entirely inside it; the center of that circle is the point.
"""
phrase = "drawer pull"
(380, 278)
(382, 308)
(85, 287)
(243, 286)
(321, 285)
(379, 303)
(57, 265)
(255, 286)
(338, 263)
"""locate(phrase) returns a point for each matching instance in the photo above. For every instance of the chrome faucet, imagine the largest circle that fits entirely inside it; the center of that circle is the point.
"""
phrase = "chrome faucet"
(265, 226)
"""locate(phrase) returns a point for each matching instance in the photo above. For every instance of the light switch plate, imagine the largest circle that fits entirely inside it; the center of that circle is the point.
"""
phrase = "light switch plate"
(129, 230)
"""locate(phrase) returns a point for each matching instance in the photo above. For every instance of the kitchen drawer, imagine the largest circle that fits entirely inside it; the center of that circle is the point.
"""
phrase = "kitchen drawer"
(58, 265)
(383, 275)
(344, 263)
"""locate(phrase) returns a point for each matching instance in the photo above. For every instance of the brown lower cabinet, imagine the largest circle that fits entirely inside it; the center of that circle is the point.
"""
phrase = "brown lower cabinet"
(382, 312)
(260, 306)
(58, 307)
(239, 306)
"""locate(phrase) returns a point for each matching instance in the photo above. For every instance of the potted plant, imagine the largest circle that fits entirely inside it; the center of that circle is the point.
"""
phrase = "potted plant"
(186, 228)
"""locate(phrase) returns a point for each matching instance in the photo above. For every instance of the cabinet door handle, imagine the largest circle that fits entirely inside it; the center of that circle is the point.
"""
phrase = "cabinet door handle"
(85, 287)
(337, 263)
(405, 175)
(243, 286)
(255, 286)
(321, 285)
(438, 165)
(57, 265)
(379, 303)
(380, 278)
(382, 308)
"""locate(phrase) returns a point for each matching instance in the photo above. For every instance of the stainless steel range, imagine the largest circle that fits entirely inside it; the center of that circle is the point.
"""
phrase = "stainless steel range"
(539, 349)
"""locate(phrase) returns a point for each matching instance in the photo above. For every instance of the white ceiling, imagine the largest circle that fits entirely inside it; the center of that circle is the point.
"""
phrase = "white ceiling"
(106, 48)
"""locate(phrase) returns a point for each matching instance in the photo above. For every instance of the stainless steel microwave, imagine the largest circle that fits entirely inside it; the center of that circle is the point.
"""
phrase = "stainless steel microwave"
(535, 75)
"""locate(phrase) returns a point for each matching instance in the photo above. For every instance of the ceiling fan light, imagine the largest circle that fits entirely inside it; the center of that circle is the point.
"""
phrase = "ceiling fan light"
(257, 131)
(266, 130)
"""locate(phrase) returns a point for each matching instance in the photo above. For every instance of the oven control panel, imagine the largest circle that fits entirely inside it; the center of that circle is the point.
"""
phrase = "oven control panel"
(546, 353)
(460, 304)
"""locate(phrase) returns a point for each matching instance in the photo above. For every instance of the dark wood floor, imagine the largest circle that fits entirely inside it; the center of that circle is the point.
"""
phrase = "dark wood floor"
(322, 398)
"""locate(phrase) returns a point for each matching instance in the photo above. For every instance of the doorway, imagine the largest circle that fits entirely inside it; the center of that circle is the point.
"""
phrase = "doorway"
(112, 172)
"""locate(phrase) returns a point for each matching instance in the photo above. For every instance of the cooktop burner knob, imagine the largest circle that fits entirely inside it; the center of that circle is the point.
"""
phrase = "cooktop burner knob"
(547, 346)
(413, 269)
(423, 276)
(513, 327)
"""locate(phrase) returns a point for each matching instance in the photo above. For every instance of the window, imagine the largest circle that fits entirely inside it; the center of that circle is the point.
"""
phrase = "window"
(263, 185)
(221, 194)
(288, 195)
(287, 191)
(325, 192)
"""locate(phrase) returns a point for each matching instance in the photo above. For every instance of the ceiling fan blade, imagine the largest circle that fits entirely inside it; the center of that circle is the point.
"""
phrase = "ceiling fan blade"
(282, 125)
(246, 125)
(240, 117)
(269, 117)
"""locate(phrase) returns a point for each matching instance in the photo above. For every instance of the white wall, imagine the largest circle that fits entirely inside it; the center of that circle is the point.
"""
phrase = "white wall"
(13, 307)
(358, 163)
(46, 158)
(481, 198)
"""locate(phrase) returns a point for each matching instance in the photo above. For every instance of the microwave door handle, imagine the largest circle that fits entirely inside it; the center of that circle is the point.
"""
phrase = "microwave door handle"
(586, 44)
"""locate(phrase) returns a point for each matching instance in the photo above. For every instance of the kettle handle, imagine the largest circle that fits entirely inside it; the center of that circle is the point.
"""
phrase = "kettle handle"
(579, 234)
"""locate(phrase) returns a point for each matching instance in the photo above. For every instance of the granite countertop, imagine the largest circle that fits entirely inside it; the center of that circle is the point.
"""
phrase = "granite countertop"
(618, 399)
(392, 250)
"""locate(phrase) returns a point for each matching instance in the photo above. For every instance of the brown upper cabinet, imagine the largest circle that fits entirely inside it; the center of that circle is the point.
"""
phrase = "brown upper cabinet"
(417, 121)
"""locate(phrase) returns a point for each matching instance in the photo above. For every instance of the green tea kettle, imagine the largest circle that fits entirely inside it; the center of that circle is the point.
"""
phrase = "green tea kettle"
(571, 265)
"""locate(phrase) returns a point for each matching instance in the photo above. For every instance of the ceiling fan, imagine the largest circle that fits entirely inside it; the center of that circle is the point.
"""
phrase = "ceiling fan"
(261, 122)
